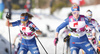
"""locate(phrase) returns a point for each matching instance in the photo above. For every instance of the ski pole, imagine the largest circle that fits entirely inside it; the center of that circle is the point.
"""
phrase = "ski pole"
(67, 47)
(56, 49)
(63, 47)
(41, 44)
(9, 37)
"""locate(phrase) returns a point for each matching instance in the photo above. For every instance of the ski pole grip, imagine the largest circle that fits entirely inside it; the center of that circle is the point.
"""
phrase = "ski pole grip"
(8, 22)
(35, 35)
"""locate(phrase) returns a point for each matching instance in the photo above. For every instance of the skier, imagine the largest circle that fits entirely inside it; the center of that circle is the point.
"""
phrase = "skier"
(67, 37)
(98, 47)
(27, 6)
(27, 30)
(91, 33)
(17, 48)
(78, 38)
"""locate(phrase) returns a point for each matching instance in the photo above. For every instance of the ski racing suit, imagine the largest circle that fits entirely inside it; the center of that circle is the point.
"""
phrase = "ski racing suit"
(92, 30)
(78, 38)
(28, 38)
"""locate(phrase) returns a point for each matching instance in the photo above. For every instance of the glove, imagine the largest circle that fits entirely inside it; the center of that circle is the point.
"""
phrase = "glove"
(66, 38)
(98, 48)
(55, 41)
(8, 15)
(13, 45)
(32, 29)
(23, 33)
(94, 40)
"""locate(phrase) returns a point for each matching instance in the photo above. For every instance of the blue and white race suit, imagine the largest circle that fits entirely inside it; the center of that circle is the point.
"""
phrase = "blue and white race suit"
(78, 38)
(28, 42)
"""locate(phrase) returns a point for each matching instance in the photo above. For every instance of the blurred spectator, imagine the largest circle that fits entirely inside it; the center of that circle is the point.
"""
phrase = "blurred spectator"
(78, 2)
(1, 8)
(27, 6)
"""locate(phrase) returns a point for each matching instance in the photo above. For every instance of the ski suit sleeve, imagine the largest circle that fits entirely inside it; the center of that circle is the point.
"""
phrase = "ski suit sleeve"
(33, 25)
(16, 23)
(97, 26)
(87, 22)
(65, 23)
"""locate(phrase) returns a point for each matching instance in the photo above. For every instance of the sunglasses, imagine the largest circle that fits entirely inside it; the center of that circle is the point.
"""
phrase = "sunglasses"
(88, 16)
(75, 12)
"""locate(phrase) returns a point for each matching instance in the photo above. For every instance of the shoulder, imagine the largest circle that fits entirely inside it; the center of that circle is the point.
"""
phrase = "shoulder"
(31, 24)
(18, 20)
(70, 16)
(93, 19)
(82, 16)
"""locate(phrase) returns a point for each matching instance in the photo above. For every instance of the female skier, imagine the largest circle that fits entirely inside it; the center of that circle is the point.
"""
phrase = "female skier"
(27, 30)
(78, 38)
(91, 33)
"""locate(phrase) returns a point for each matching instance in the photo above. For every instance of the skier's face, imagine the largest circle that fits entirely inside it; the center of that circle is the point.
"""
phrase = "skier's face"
(89, 16)
(75, 14)
(24, 22)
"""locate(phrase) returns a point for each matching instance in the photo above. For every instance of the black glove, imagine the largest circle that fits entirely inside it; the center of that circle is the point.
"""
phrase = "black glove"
(66, 38)
(94, 40)
(32, 29)
(8, 15)
(21, 32)
(55, 41)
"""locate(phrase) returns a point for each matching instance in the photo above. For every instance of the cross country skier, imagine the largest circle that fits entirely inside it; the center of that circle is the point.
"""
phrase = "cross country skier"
(78, 38)
(66, 38)
(91, 32)
(98, 47)
(17, 48)
(27, 29)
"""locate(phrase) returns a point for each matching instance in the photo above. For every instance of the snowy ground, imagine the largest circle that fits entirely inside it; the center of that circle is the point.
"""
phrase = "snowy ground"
(42, 20)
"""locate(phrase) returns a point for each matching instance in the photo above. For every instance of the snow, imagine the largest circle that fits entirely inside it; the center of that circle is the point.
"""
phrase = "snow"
(42, 18)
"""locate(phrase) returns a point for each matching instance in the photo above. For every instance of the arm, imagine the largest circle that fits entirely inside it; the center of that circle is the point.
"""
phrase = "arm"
(11, 24)
(34, 28)
(38, 32)
(97, 26)
(15, 40)
(65, 23)
(8, 23)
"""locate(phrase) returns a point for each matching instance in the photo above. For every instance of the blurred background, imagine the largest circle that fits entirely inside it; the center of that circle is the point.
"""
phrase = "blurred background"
(48, 14)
